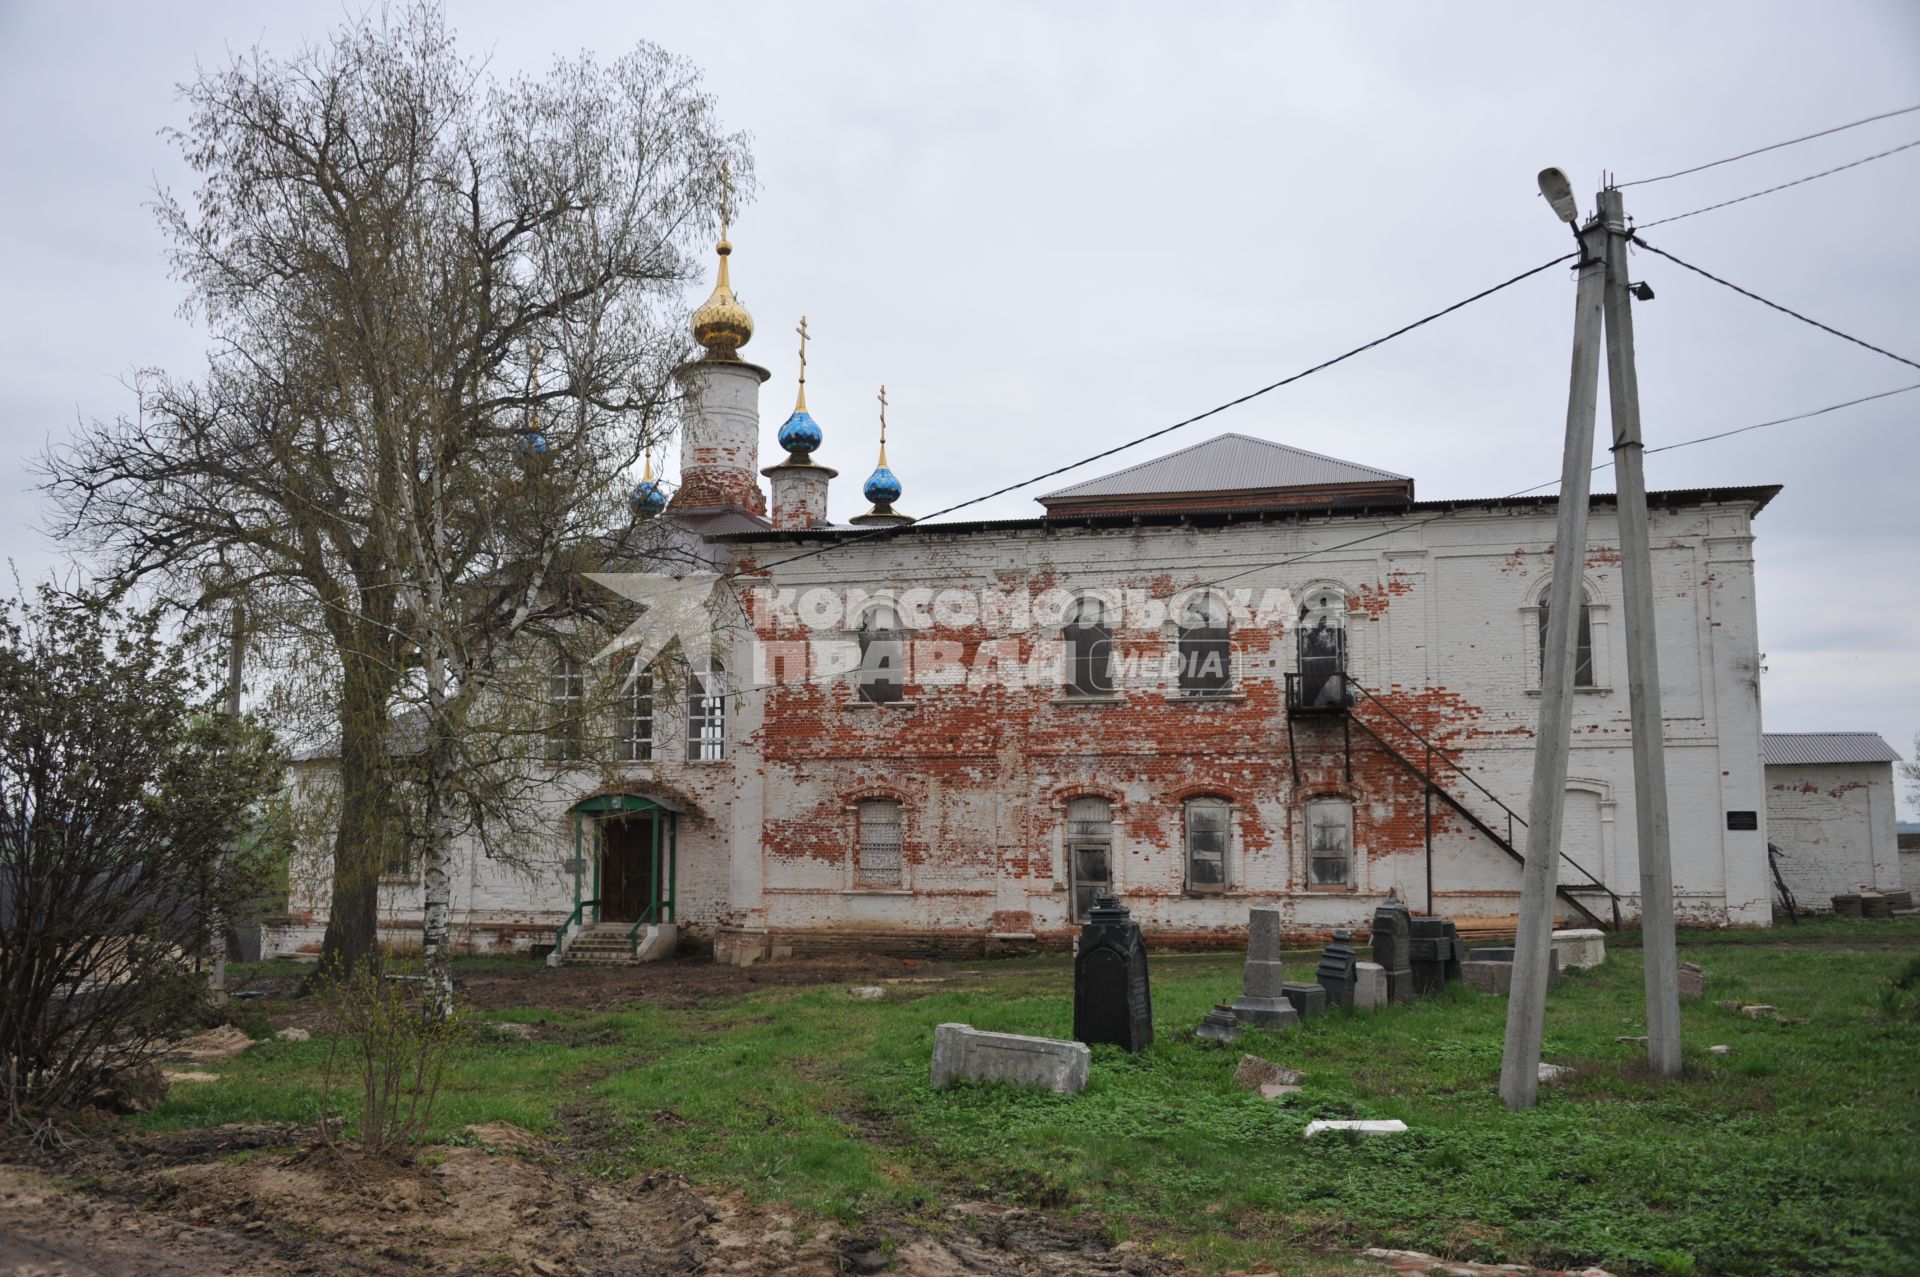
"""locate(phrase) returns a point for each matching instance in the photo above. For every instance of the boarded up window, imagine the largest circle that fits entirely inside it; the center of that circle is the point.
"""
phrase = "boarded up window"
(879, 864)
(1207, 824)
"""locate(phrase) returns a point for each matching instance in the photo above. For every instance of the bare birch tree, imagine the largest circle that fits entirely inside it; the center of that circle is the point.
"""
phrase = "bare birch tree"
(445, 312)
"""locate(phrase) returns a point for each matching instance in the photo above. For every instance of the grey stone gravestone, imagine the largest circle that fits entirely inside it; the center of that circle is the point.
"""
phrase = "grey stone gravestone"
(1308, 1000)
(1436, 952)
(1219, 1025)
(1693, 981)
(962, 1051)
(1264, 1004)
(1111, 1000)
(1335, 972)
(1369, 986)
(1392, 936)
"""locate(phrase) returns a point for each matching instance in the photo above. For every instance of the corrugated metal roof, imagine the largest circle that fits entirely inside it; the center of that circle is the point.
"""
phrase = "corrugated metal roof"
(1226, 463)
(1790, 749)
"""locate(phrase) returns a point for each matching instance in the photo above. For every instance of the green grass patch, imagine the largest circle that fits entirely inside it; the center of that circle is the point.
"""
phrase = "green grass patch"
(1796, 1153)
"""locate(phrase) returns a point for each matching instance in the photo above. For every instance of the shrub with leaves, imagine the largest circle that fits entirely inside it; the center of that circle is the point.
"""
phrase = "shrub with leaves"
(126, 794)
(386, 1038)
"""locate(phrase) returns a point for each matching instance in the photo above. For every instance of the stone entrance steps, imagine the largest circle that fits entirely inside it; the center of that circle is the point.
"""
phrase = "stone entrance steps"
(606, 944)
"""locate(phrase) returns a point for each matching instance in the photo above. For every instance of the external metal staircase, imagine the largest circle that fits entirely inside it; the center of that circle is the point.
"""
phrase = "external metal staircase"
(1443, 777)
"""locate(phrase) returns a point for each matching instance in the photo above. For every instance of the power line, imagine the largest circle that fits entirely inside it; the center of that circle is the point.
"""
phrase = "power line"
(1825, 328)
(1784, 185)
(1165, 430)
(1794, 141)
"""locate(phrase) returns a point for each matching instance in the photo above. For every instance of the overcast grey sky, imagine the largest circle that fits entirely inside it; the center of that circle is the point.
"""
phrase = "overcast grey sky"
(1048, 227)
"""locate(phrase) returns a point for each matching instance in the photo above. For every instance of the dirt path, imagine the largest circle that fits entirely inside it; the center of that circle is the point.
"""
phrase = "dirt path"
(235, 1200)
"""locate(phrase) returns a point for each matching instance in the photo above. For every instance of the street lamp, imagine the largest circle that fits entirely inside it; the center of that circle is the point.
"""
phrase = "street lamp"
(1559, 192)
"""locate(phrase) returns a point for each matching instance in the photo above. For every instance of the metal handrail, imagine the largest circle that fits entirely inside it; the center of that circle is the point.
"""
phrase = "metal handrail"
(647, 915)
(573, 919)
(1512, 815)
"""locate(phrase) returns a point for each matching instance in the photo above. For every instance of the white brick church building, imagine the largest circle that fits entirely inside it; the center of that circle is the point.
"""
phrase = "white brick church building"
(1237, 675)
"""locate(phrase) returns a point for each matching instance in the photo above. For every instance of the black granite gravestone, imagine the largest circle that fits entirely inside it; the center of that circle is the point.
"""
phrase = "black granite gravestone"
(1392, 933)
(1335, 972)
(1111, 1001)
(1436, 953)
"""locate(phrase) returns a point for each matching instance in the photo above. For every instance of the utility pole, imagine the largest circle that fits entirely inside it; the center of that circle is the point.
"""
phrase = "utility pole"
(1546, 807)
(1643, 663)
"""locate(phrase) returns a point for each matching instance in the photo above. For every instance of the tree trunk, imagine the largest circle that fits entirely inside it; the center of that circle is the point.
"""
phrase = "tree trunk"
(353, 915)
(437, 847)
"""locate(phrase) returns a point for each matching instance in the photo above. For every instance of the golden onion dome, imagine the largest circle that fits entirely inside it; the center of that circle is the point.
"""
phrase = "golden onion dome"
(722, 324)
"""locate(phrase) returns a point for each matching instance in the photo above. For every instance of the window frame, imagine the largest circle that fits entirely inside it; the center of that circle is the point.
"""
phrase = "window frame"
(1189, 807)
(868, 689)
(865, 877)
(1331, 604)
(1215, 632)
(706, 706)
(566, 729)
(1585, 657)
(1089, 673)
(1309, 826)
(631, 746)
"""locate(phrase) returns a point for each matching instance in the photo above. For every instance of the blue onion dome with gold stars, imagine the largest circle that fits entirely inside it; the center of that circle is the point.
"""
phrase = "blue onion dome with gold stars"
(883, 486)
(649, 498)
(800, 434)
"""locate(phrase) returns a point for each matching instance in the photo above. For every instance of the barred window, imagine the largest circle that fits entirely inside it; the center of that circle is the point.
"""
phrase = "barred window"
(1330, 842)
(1089, 649)
(880, 836)
(1207, 825)
(706, 714)
(636, 713)
(566, 698)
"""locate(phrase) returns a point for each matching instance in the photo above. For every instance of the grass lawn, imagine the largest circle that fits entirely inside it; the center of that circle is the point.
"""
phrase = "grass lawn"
(1796, 1153)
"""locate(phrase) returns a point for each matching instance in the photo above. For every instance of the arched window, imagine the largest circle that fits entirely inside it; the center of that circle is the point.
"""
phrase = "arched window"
(1330, 842)
(880, 839)
(1321, 640)
(1583, 651)
(707, 713)
(1205, 653)
(883, 655)
(1089, 851)
(635, 743)
(1089, 644)
(566, 699)
(1207, 835)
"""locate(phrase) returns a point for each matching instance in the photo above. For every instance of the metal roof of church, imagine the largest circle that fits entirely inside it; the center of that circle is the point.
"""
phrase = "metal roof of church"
(1226, 463)
(1786, 749)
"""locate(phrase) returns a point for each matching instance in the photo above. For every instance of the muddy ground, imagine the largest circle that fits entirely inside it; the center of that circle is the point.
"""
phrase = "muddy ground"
(268, 1200)
(272, 1200)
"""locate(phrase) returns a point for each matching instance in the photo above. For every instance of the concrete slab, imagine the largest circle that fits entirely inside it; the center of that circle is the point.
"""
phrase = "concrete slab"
(1391, 1126)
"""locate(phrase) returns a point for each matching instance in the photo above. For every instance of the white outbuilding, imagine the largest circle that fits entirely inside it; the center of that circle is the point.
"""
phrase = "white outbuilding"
(1830, 813)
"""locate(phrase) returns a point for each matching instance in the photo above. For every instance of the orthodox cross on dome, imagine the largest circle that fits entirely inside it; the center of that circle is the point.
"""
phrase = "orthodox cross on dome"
(883, 425)
(726, 195)
(800, 402)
